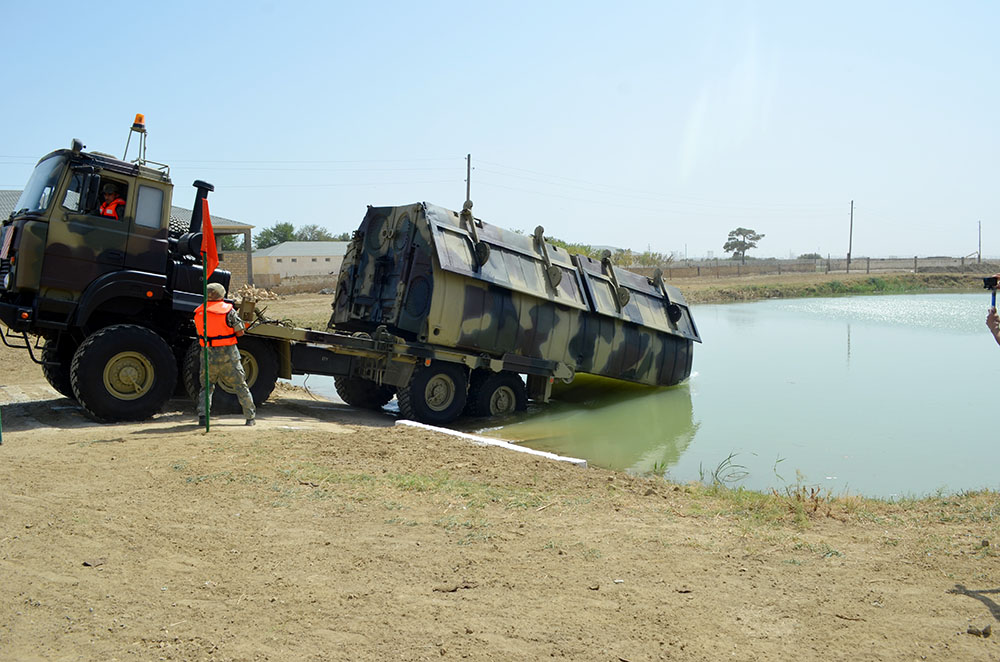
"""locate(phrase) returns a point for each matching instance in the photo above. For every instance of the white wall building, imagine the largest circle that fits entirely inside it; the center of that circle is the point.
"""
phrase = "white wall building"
(300, 258)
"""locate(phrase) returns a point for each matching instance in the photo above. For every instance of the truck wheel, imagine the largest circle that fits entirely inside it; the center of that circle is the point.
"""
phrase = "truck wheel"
(57, 359)
(363, 393)
(260, 365)
(123, 373)
(180, 350)
(495, 394)
(435, 394)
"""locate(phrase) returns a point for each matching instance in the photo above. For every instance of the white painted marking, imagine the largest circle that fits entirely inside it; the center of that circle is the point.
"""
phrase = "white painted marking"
(487, 441)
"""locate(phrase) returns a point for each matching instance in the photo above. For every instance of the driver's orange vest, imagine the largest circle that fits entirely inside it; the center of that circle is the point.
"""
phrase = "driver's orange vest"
(220, 334)
(110, 209)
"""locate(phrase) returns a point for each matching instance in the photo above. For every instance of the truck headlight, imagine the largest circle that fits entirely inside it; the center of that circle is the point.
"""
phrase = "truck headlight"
(6, 281)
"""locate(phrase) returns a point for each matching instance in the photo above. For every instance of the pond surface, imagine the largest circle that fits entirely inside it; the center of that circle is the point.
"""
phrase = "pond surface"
(886, 396)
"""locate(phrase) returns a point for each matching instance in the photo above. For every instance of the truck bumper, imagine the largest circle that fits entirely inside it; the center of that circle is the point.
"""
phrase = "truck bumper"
(16, 318)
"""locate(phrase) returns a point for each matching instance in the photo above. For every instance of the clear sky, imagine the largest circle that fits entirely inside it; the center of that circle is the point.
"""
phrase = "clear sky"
(660, 125)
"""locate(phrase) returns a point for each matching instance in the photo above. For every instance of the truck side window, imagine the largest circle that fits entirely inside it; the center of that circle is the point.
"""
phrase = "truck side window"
(149, 208)
(72, 199)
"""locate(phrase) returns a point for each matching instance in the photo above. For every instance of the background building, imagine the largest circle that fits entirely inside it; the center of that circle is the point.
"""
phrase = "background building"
(298, 260)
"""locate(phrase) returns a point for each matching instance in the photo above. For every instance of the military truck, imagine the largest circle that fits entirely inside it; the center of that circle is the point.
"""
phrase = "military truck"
(106, 299)
(447, 313)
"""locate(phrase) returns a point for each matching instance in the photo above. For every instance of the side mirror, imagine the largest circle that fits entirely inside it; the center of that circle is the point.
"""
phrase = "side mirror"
(90, 191)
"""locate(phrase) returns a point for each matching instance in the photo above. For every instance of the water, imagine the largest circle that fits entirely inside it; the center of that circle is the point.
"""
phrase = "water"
(886, 396)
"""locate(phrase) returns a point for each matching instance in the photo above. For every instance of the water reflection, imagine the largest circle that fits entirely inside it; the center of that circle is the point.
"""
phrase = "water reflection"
(613, 425)
(848, 344)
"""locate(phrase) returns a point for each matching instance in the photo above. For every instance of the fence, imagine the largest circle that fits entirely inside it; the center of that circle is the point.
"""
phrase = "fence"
(731, 268)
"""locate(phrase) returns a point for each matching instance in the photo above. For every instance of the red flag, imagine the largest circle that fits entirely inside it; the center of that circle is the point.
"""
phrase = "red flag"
(208, 247)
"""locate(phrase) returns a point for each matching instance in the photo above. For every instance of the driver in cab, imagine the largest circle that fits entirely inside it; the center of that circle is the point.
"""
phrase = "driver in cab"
(113, 204)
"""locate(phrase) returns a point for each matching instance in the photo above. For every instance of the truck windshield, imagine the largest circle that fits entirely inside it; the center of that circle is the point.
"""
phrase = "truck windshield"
(40, 189)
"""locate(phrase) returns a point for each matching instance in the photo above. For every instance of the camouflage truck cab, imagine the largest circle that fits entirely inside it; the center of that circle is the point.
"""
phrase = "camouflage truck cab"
(107, 290)
(431, 275)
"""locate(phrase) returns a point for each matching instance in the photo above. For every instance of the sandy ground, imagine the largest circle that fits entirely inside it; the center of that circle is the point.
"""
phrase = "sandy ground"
(326, 533)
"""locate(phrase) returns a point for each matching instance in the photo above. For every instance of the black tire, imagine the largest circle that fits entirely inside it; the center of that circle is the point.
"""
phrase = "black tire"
(180, 349)
(363, 393)
(495, 394)
(189, 371)
(123, 373)
(435, 394)
(57, 359)
(260, 364)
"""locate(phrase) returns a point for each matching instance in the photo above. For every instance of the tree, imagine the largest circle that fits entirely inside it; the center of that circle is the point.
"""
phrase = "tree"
(810, 256)
(282, 232)
(581, 249)
(313, 233)
(274, 235)
(230, 242)
(740, 241)
(653, 259)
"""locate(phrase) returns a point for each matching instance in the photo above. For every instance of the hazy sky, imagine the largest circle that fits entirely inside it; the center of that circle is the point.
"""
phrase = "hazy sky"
(659, 125)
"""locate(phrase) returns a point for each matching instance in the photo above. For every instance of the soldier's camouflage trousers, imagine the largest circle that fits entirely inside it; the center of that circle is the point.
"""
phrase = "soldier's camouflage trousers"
(224, 367)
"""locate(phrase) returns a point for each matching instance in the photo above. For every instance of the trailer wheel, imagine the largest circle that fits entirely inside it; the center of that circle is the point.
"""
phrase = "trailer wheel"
(363, 393)
(435, 394)
(260, 365)
(123, 373)
(495, 394)
(57, 359)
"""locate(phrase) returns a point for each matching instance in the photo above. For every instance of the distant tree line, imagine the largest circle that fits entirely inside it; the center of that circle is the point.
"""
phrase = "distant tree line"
(623, 257)
(740, 241)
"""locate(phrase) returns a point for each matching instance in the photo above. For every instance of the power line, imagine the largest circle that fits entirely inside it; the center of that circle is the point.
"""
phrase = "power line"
(334, 185)
(289, 161)
(678, 198)
(366, 170)
(739, 212)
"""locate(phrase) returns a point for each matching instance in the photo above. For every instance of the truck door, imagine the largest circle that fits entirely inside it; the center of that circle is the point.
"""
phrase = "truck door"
(147, 242)
(82, 245)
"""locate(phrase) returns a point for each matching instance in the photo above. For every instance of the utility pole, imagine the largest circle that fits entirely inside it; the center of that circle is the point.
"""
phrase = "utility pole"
(850, 238)
(468, 177)
(979, 252)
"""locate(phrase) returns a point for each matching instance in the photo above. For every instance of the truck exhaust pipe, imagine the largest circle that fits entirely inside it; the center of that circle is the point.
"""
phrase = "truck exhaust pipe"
(201, 194)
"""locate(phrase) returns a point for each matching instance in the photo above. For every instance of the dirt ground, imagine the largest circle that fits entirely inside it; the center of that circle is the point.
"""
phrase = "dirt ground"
(325, 533)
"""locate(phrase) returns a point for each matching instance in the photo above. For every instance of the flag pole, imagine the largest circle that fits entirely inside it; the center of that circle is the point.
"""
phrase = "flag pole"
(209, 261)
(204, 334)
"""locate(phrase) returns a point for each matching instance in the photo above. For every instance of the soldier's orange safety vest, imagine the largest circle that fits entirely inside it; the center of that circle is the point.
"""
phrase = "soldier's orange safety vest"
(220, 334)
(110, 209)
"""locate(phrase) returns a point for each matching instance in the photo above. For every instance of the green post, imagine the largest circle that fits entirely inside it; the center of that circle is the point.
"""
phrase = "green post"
(204, 350)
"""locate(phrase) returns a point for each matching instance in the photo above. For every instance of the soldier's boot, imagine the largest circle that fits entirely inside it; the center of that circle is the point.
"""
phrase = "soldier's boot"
(201, 421)
(251, 421)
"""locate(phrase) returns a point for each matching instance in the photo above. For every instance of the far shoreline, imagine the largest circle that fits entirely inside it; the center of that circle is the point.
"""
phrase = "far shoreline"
(787, 286)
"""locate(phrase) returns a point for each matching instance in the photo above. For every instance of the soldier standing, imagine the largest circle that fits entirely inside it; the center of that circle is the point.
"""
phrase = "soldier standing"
(224, 327)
